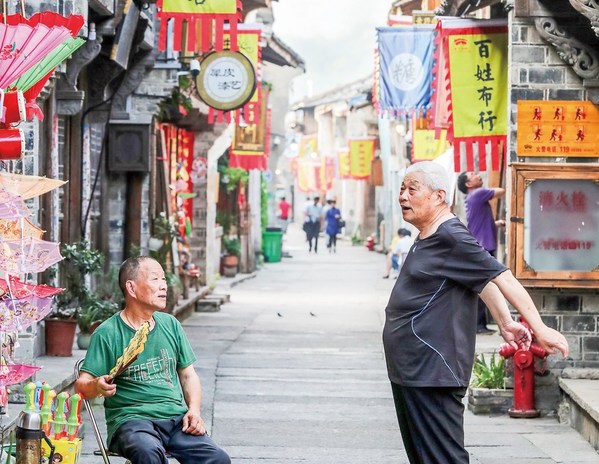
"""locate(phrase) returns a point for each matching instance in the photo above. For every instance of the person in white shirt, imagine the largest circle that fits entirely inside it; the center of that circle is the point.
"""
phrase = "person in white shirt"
(398, 250)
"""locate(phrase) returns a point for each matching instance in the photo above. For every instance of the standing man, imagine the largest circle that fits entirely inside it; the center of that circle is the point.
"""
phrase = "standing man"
(284, 208)
(313, 222)
(430, 327)
(482, 225)
(153, 407)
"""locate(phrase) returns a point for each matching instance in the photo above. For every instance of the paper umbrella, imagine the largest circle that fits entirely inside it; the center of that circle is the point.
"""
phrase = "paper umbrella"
(17, 229)
(12, 205)
(15, 373)
(20, 313)
(28, 186)
(28, 255)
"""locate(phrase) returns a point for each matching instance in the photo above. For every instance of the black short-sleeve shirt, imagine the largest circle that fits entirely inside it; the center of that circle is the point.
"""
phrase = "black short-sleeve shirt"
(430, 327)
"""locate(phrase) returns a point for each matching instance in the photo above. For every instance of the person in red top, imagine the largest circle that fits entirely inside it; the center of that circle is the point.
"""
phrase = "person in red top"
(283, 216)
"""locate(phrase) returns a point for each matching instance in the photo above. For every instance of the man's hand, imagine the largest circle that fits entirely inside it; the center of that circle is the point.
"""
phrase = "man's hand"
(103, 387)
(193, 423)
(516, 335)
(552, 341)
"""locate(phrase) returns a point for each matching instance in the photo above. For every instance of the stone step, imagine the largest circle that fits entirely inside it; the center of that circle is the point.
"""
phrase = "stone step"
(580, 404)
(207, 305)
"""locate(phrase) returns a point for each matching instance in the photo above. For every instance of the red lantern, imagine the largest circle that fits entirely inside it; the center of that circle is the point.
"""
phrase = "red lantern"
(13, 111)
(12, 144)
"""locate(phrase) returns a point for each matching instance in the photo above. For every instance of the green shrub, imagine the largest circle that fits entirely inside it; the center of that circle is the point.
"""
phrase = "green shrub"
(488, 375)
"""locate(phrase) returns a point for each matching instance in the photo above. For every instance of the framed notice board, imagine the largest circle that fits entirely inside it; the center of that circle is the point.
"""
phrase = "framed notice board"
(554, 225)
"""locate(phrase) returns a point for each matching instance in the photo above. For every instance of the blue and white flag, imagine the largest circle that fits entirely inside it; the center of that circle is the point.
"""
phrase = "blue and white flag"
(406, 63)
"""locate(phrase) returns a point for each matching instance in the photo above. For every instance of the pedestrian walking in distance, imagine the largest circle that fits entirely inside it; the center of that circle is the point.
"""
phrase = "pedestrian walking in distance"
(430, 319)
(481, 224)
(313, 223)
(333, 218)
(398, 250)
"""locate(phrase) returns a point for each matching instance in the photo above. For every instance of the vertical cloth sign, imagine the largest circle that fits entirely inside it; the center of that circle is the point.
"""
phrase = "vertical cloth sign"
(344, 164)
(361, 152)
(204, 22)
(406, 60)
(478, 66)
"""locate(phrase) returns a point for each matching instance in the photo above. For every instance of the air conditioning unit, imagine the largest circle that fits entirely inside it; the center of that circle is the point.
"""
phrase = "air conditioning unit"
(129, 148)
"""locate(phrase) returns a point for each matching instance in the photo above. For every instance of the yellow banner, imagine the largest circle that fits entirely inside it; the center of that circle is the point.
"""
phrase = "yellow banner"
(308, 147)
(478, 75)
(361, 152)
(558, 128)
(206, 7)
(426, 147)
(306, 175)
(344, 164)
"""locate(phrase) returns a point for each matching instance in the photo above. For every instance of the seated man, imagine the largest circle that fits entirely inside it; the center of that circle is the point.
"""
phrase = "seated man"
(153, 407)
(398, 250)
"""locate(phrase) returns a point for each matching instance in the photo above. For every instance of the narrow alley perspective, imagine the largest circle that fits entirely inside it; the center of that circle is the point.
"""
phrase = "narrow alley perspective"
(293, 372)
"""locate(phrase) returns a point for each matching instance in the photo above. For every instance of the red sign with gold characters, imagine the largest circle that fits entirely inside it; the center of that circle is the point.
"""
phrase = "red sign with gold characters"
(557, 128)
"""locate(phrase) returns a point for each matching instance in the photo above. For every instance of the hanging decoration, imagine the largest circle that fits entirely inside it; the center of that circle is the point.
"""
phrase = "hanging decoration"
(344, 164)
(198, 25)
(28, 255)
(250, 146)
(406, 59)
(16, 229)
(361, 152)
(427, 144)
(28, 186)
(12, 205)
(246, 112)
(327, 173)
(477, 62)
(22, 46)
(308, 175)
(11, 374)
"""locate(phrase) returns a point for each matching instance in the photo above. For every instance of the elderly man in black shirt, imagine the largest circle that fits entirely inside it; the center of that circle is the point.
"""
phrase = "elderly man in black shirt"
(430, 329)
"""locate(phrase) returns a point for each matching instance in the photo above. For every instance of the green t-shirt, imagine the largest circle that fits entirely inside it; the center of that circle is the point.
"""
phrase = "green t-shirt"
(149, 388)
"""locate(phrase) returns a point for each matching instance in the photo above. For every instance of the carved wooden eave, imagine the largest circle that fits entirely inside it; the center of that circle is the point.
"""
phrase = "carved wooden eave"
(572, 28)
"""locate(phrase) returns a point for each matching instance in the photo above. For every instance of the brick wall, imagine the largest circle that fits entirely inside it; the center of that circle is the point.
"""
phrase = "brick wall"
(538, 73)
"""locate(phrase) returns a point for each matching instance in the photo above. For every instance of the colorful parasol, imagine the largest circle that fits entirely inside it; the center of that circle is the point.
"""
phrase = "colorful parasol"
(23, 46)
(12, 205)
(16, 229)
(28, 186)
(20, 313)
(15, 373)
(28, 255)
(19, 289)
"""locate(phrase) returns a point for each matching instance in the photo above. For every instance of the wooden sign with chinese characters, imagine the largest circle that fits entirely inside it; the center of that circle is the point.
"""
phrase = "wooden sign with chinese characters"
(558, 128)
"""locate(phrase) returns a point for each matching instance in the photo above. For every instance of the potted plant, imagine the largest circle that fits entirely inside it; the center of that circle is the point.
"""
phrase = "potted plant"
(80, 262)
(487, 392)
(232, 247)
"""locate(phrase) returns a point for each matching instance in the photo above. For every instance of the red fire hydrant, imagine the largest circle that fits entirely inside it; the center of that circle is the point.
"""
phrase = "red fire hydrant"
(370, 243)
(524, 377)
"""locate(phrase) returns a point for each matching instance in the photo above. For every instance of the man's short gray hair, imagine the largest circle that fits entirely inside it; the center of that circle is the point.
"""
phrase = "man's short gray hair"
(434, 175)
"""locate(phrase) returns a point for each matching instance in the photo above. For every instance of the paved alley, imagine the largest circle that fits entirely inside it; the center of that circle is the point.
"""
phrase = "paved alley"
(293, 372)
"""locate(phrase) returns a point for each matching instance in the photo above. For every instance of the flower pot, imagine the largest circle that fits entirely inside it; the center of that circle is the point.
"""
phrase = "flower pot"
(489, 400)
(60, 335)
(230, 263)
(83, 339)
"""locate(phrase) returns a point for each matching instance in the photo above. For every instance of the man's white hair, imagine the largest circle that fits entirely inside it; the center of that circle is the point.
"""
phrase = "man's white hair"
(434, 176)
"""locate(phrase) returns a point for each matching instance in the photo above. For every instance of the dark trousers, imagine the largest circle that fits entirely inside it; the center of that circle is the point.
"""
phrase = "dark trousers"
(332, 241)
(431, 421)
(147, 441)
(312, 232)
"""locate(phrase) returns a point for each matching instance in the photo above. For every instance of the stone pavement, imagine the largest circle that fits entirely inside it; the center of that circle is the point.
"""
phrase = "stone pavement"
(293, 372)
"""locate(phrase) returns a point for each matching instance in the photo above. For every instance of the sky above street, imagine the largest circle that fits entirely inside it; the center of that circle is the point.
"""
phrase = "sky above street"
(336, 39)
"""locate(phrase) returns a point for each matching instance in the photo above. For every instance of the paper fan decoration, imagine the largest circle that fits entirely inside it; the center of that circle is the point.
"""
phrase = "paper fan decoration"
(28, 186)
(23, 46)
(132, 351)
(12, 205)
(19, 313)
(16, 229)
(28, 255)
(15, 373)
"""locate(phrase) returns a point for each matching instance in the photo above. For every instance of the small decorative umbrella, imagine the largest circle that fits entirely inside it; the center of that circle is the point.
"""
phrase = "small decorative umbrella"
(16, 229)
(19, 313)
(28, 186)
(12, 205)
(15, 373)
(19, 289)
(28, 255)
